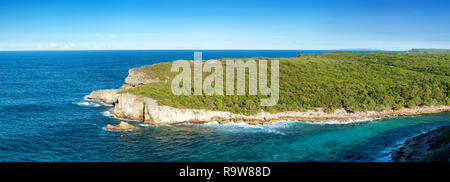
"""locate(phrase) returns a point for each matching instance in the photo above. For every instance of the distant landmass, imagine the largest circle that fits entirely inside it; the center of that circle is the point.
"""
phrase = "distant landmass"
(431, 51)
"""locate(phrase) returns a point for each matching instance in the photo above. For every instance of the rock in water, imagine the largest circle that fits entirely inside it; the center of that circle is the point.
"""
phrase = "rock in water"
(120, 127)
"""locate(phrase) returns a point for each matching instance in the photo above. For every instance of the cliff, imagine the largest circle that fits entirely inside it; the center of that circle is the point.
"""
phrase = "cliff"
(319, 95)
(147, 110)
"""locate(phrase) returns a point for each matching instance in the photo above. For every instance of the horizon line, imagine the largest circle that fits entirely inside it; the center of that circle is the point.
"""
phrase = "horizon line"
(343, 49)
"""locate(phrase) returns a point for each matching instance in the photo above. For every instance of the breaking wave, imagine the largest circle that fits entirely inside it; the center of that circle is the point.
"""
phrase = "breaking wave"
(236, 127)
(87, 104)
(336, 122)
(110, 115)
(90, 103)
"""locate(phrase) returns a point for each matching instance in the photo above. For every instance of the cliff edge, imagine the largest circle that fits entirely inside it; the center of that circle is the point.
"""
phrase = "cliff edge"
(147, 110)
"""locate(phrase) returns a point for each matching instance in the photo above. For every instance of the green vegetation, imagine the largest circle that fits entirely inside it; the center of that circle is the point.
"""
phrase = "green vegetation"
(354, 81)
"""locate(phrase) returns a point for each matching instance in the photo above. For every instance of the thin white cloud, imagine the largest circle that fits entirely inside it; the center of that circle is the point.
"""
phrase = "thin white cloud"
(69, 46)
(54, 45)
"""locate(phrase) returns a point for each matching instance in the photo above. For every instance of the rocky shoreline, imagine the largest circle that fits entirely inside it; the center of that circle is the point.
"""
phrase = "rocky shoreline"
(120, 127)
(427, 147)
(147, 110)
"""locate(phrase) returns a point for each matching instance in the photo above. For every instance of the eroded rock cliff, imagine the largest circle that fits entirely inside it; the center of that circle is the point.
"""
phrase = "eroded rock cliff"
(138, 77)
(148, 110)
(106, 96)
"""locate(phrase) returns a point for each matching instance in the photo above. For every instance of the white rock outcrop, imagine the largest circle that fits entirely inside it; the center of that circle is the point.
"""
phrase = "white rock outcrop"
(148, 110)
(136, 77)
(128, 106)
(106, 96)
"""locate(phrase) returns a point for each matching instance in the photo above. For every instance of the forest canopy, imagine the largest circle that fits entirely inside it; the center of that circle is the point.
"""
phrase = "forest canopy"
(354, 81)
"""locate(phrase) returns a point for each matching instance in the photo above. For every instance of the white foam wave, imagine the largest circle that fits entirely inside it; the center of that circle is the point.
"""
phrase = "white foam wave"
(354, 121)
(150, 125)
(236, 127)
(274, 127)
(108, 114)
(146, 125)
(233, 124)
(86, 98)
(87, 104)
(90, 103)
(282, 123)
(95, 101)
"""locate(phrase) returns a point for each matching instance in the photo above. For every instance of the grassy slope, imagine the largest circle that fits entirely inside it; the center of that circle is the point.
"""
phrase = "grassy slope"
(355, 81)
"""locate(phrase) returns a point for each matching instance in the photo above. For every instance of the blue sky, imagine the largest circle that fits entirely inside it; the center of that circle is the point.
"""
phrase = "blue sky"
(320, 24)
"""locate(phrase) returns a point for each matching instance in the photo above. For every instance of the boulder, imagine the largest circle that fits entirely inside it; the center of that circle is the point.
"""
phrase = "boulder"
(120, 127)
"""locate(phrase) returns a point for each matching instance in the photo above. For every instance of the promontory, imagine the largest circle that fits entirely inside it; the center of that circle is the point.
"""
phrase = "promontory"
(341, 86)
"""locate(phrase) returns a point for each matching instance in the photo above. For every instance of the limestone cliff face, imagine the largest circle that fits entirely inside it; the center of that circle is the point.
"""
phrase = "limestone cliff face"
(148, 110)
(156, 114)
(106, 96)
(137, 77)
(129, 107)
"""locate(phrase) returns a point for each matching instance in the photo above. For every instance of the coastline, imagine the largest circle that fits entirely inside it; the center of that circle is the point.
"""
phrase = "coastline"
(425, 148)
(147, 110)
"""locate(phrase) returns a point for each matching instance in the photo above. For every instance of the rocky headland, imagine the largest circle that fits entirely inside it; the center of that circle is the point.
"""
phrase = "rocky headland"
(147, 110)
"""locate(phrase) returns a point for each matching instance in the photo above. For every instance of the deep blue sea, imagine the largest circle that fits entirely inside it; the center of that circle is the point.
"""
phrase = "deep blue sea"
(43, 117)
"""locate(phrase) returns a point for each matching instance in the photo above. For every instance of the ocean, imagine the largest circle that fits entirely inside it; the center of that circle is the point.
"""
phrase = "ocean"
(44, 117)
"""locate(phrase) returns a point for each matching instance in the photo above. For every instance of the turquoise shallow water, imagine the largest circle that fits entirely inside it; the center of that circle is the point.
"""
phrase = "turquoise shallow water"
(45, 118)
